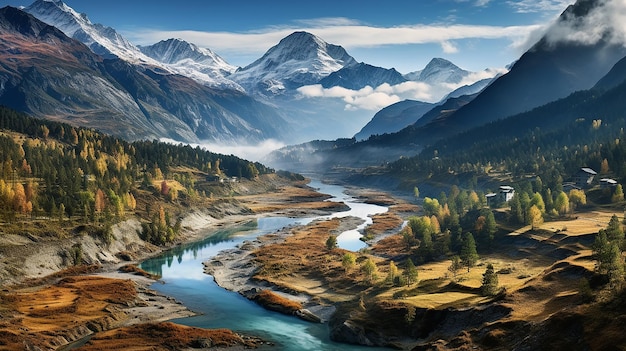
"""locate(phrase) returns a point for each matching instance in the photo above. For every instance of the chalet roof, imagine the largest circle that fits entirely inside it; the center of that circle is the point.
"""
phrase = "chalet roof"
(588, 171)
(506, 188)
(608, 180)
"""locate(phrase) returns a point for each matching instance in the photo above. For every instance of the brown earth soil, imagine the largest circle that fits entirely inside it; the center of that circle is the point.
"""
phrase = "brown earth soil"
(167, 336)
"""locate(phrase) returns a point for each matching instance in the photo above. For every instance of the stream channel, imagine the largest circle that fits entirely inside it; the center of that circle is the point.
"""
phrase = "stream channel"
(183, 279)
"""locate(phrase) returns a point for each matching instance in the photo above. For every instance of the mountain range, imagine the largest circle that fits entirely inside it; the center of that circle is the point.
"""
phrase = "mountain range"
(224, 103)
(176, 90)
(550, 74)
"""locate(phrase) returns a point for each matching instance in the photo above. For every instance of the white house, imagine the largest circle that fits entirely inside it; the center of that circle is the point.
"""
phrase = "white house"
(607, 183)
(505, 194)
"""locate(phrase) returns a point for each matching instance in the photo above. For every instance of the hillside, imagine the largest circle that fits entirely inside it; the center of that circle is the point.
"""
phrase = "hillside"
(56, 77)
(76, 205)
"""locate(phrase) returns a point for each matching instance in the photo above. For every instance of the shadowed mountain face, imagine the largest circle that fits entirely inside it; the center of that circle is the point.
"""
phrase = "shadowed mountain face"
(552, 69)
(47, 74)
(556, 66)
(361, 75)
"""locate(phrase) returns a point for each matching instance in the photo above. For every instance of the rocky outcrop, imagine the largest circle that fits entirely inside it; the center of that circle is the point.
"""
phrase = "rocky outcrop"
(386, 324)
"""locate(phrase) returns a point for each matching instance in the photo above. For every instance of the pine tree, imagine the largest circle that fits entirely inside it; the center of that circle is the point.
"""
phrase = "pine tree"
(489, 286)
(601, 251)
(469, 255)
(615, 267)
(614, 230)
(331, 242)
(517, 212)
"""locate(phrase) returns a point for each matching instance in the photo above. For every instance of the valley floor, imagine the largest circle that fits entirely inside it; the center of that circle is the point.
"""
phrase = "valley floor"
(93, 304)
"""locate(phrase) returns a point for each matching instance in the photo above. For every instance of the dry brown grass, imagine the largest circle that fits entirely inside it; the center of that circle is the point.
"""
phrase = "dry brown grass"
(582, 222)
(164, 336)
(384, 222)
(42, 316)
(302, 263)
(391, 246)
(289, 198)
(274, 301)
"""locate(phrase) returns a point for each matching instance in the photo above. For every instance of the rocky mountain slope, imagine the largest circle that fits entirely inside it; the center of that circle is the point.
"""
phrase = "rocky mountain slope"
(553, 68)
(47, 74)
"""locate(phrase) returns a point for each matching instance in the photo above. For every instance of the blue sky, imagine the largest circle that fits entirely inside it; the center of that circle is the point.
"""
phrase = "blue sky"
(474, 34)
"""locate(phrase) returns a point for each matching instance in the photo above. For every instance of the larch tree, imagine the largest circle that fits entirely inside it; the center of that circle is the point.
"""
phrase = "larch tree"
(577, 197)
(561, 204)
(604, 167)
(618, 194)
(19, 198)
(537, 200)
(348, 261)
(370, 270)
(410, 272)
(535, 218)
(393, 273)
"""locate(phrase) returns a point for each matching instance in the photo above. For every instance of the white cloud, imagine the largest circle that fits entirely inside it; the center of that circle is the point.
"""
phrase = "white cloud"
(605, 21)
(244, 150)
(341, 31)
(482, 3)
(538, 6)
(374, 99)
(449, 47)
(474, 77)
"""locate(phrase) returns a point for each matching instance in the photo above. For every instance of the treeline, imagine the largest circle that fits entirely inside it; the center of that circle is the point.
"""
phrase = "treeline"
(552, 141)
(54, 169)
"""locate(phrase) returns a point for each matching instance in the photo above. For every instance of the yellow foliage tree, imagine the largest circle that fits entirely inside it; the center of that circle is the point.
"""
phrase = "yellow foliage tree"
(534, 216)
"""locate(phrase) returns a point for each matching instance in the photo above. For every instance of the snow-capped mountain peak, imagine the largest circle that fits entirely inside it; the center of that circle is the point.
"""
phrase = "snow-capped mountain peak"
(188, 59)
(174, 56)
(299, 59)
(104, 41)
(438, 71)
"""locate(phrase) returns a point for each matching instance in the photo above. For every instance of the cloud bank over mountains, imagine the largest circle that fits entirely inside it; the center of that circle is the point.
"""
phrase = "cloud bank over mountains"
(605, 22)
(375, 98)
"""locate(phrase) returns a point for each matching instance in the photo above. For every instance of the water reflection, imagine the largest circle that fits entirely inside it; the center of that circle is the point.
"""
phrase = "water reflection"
(197, 250)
